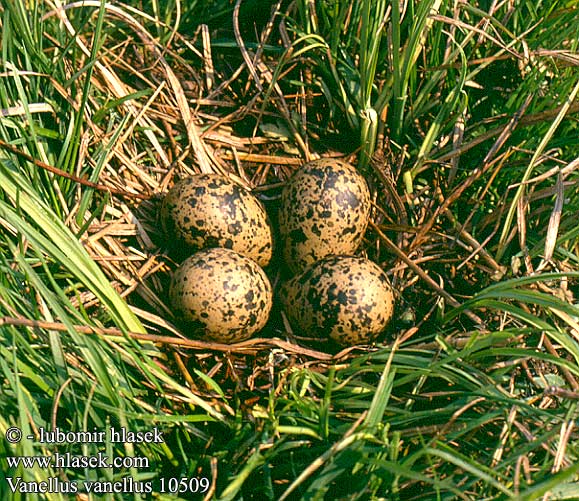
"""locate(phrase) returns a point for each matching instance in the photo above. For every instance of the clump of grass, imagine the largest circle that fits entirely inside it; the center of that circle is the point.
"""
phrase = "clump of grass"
(67, 359)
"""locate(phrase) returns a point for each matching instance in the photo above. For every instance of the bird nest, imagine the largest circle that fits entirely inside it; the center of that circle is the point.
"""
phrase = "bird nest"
(184, 123)
(173, 118)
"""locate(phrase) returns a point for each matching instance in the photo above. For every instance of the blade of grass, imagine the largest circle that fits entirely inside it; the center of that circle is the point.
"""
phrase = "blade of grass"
(60, 243)
(529, 171)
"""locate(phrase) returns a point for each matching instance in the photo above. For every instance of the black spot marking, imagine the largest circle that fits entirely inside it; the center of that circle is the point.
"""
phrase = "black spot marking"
(316, 230)
(349, 230)
(235, 227)
(297, 235)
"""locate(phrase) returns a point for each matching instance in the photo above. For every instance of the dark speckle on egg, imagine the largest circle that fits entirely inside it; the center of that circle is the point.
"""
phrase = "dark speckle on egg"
(210, 210)
(345, 298)
(324, 210)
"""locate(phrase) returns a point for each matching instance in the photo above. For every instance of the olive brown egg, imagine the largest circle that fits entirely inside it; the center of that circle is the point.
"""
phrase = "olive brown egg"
(227, 295)
(324, 210)
(210, 210)
(344, 298)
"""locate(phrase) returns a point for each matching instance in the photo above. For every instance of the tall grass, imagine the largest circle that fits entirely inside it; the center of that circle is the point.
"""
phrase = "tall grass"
(55, 372)
(469, 99)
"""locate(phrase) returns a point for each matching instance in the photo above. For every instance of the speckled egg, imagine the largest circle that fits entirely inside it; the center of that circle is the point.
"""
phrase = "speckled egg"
(225, 294)
(324, 210)
(347, 299)
(210, 210)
